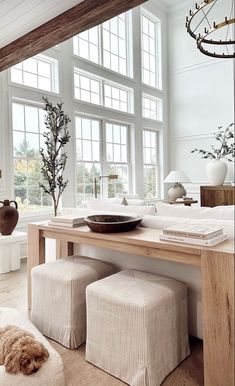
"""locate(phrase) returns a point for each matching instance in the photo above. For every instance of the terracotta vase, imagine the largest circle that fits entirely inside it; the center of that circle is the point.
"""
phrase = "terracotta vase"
(8, 217)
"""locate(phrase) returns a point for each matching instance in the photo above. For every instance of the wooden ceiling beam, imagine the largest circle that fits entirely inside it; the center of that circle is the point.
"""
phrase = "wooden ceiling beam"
(81, 17)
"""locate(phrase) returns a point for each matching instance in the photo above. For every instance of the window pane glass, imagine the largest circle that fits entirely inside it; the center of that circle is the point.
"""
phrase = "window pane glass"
(95, 151)
(95, 130)
(152, 107)
(116, 156)
(30, 79)
(44, 69)
(150, 166)
(39, 72)
(30, 65)
(87, 88)
(86, 44)
(115, 44)
(88, 155)
(27, 163)
(44, 83)
(116, 98)
(16, 76)
(31, 119)
(18, 116)
(149, 51)
(33, 142)
(18, 139)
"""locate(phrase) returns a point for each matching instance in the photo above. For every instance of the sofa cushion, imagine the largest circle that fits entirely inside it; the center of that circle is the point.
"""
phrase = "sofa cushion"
(218, 212)
(100, 205)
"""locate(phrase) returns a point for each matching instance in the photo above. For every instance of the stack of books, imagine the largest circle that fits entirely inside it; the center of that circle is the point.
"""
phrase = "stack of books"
(194, 234)
(68, 220)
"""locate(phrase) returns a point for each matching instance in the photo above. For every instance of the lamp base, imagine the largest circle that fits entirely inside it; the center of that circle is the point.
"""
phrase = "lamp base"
(176, 191)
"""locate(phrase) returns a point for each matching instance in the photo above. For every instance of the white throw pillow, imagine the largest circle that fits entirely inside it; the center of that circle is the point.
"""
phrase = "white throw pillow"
(96, 204)
(160, 222)
(218, 212)
(126, 195)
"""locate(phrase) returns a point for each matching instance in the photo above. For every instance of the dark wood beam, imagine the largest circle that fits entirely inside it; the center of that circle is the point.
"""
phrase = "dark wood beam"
(81, 17)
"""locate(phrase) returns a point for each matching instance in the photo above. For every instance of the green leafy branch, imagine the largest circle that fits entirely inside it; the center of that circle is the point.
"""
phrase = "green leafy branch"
(226, 148)
(53, 159)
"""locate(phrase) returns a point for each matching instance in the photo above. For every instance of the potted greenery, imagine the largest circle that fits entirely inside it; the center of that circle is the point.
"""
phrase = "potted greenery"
(53, 159)
(217, 169)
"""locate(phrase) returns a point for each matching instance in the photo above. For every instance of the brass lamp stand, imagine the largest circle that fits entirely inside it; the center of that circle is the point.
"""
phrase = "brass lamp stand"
(110, 177)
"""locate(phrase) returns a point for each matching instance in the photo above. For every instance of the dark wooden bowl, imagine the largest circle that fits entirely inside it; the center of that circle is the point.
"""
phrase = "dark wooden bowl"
(108, 223)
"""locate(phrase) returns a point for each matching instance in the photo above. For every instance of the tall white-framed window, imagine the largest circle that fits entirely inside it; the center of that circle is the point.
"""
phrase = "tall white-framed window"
(87, 88)
(40, 72)
(117, 97)
(115, 44)
(108, 44)
(93, 135)
(150, 49)
(28, 127)
(150, 146)
(88, 156)
(117, 146)
(87, 44)
(152, 107)
(105, 96)
(93, 89)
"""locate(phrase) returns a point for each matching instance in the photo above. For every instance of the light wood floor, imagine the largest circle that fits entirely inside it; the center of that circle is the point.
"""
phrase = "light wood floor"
(78, 372)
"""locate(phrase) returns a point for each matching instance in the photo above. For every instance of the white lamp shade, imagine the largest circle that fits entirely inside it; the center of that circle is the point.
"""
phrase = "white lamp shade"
(177, 176)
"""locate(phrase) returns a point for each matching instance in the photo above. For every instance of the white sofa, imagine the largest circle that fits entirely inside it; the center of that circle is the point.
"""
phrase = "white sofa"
(50, 374)
(166, 215)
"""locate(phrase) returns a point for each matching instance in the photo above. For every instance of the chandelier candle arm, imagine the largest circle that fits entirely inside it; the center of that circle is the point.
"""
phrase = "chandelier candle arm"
(206, 37)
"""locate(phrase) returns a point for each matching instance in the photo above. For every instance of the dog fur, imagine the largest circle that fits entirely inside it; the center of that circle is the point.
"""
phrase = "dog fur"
(20, 351)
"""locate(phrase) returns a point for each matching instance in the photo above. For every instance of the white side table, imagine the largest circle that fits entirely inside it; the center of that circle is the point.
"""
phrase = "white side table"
(10, 251)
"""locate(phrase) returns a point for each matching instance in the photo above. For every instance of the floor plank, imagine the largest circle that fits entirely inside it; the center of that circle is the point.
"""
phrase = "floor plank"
(78, 372)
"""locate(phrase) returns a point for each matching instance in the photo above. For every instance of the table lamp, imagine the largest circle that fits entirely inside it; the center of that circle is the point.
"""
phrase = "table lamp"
(176, 190)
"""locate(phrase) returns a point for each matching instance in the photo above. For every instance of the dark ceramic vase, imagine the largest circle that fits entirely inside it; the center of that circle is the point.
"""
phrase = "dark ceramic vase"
(8, 217)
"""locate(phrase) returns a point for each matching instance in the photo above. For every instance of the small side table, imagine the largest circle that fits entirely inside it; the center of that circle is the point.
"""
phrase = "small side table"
(10, 251)
(185, 202)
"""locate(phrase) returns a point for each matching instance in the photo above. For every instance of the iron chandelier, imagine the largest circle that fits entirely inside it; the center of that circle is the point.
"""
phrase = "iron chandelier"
(214, 34)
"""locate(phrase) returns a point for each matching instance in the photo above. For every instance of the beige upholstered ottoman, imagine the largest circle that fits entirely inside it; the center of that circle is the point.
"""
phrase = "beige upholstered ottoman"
(137, 326)
(58, 297)
(50, 374)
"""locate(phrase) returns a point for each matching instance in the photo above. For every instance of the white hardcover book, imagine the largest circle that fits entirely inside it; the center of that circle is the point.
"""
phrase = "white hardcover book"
(65, 224)
(195, 231)
(190, 240)
(69, 218)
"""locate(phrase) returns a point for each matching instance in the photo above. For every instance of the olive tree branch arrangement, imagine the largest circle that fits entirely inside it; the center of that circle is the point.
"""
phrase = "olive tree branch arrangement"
(53, 159)
(226, 147)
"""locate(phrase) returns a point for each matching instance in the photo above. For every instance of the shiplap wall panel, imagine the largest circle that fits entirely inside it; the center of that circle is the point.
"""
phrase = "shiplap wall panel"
(18, 17)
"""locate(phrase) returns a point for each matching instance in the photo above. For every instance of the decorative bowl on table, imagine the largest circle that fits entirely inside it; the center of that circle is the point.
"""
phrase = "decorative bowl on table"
(108, 223)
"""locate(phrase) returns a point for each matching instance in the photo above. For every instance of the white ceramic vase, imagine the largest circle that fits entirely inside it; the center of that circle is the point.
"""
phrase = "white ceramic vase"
(216, 172)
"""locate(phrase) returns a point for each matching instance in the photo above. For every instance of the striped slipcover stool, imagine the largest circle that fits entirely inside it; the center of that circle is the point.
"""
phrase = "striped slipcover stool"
(137, 326)
(59, 297)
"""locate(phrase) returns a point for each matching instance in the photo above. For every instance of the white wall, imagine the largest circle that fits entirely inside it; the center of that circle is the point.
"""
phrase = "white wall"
(201, 98)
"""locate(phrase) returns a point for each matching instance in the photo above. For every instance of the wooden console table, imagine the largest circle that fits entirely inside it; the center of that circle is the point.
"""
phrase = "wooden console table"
(217, 269)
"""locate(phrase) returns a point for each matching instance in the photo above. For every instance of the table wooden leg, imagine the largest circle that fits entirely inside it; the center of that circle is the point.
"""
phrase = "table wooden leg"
(63, 249)
(218, 318)
(36, 253)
